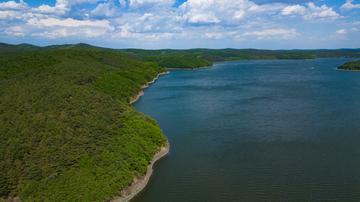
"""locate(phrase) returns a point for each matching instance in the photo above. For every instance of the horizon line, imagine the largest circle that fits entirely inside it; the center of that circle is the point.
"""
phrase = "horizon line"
(134, 48)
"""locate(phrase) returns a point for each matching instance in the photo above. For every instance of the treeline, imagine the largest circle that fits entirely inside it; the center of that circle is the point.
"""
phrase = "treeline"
(176, 57)
(192, 58)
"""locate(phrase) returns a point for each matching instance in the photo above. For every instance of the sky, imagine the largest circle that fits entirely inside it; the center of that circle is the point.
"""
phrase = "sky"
(183, 24)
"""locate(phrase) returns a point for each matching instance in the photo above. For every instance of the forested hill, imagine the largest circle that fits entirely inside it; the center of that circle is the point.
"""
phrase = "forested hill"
(67, 130)
(193, 58)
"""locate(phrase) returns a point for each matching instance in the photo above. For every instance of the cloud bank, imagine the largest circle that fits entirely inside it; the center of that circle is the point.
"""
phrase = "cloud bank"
(165, 22)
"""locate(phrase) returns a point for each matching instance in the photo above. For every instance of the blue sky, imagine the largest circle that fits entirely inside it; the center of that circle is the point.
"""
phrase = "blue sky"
(154, 24)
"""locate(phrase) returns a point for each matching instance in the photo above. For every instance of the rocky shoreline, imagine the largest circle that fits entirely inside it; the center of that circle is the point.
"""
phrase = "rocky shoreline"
(140, 183)
(141, 93)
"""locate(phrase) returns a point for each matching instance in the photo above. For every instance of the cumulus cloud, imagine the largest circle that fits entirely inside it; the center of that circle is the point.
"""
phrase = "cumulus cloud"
(232, 12)
(321, 12)
(13, 5)
(62, 7)
(212, 11)
(341, 31)
(69, 22)
(60, 28)
(107, 9)
(294, 10)
(215, 35)
(9, 15)
(147, 4)
(274, 33)
(154, 20)
(310, 11)
(349, 5)
(17, 31)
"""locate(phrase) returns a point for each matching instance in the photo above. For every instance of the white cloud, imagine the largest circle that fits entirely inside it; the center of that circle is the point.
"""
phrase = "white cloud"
(274, 33)
(203, 18)
(321, 12)
(51, 27)
(310, 11)
(153, 20)
(143, 4)
(106, 9)
(349, 5)
(341, 31)
(45, 9)
(213, 11)
(266, 8)
(17, 31)
(63, 32)
(9, 15)
(232, 12)
(69, 22)
(13, 5)
(127, 32)
(215, 35)
(294, 10)
(61, 7)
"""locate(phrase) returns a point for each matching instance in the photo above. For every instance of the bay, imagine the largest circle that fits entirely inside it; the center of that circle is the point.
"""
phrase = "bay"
(258, 130)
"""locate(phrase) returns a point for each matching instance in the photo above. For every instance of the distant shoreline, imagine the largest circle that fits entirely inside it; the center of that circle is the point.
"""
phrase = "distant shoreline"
(139, 184)
(145, 86)
(191, 68)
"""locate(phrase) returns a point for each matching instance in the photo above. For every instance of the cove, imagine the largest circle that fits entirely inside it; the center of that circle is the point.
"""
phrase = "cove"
(258, 130)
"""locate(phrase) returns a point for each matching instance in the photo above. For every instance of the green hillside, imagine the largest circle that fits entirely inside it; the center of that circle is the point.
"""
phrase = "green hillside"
(353, 66)
(67, 130)
(6, 48)
(219, 55)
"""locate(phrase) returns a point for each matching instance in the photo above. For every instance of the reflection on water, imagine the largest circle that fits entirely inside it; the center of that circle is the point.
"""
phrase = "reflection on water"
(258, 131)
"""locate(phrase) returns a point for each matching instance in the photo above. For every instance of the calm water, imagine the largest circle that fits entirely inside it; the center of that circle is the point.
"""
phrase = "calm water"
(258, 131)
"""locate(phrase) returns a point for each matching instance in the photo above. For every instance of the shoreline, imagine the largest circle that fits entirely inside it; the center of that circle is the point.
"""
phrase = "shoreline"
(348, 70)
(145, 86)
(139, 184)
(192, 68)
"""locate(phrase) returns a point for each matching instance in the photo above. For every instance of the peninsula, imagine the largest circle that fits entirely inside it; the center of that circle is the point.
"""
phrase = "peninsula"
(351, 66)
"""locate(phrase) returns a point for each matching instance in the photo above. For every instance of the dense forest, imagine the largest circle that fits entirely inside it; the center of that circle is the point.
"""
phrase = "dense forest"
(67, 130)
(353, 66)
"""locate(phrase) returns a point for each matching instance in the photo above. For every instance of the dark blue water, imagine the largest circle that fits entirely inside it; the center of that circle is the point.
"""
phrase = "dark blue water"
(284, 130)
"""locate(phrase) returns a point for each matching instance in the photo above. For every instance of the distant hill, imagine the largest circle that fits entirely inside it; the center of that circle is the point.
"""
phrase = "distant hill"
(17, 48)
(193, 58)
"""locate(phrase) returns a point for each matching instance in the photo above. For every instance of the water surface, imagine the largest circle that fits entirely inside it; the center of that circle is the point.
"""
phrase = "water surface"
(280, 130)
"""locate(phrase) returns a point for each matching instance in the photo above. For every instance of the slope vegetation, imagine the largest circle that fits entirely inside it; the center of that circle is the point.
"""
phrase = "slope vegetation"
(67, 130)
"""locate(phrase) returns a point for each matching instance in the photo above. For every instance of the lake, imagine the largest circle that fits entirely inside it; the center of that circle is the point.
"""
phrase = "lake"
(266, 130)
